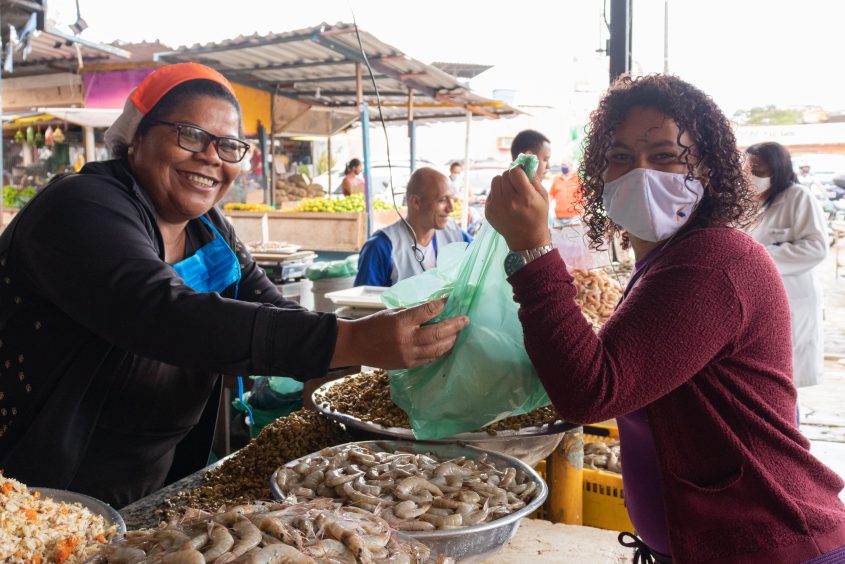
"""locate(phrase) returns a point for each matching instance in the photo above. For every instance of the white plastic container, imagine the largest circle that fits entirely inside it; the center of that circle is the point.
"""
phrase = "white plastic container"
(322, 287)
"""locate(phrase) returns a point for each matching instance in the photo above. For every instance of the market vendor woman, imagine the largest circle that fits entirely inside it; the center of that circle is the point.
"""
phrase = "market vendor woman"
(696, 362)
(125, 293)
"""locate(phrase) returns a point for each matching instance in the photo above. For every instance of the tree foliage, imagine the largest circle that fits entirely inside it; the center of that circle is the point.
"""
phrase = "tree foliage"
(769, 115)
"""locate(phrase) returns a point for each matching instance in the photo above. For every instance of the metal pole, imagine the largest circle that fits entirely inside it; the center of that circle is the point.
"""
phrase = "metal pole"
(412, 130)
(270, 191)
(665, 36)
(465, 211)
(620, 38)
(329, 160)
(368, 181)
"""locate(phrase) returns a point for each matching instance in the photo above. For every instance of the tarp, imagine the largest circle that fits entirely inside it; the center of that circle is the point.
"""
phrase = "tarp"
(85, 117)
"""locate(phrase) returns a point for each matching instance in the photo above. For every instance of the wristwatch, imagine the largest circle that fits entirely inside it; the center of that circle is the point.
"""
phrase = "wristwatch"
(517, 259)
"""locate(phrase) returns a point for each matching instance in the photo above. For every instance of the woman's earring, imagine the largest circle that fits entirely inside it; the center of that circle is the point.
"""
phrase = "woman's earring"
(131, 150)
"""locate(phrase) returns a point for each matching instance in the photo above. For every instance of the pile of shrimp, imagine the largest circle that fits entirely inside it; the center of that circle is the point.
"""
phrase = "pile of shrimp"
(320, 531)
(598, 295)
(411, 491)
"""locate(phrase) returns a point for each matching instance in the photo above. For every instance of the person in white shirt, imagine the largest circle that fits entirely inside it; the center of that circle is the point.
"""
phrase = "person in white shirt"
(792, 227)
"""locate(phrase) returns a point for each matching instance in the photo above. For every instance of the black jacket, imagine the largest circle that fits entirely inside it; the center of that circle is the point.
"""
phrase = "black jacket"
(84, 283)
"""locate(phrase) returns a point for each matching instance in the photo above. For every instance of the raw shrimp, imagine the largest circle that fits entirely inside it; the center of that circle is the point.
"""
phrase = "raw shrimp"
(444, 522)
(358, 497)
(409, 510)
(249, 536)
(122, 554)
(348, 536)
(337, 477)
(333, 550)
(221, 541)
(413, 526)
(419, 490)
(280, 554)
(189, 556)
(476, 517)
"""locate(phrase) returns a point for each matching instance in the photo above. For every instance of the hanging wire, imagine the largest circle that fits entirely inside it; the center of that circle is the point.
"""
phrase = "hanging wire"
(419, 256)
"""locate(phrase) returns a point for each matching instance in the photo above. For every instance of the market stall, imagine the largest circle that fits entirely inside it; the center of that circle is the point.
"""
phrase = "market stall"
(321, 84)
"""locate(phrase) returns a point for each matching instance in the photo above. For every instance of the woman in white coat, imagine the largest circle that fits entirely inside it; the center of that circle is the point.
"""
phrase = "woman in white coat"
(791, 226)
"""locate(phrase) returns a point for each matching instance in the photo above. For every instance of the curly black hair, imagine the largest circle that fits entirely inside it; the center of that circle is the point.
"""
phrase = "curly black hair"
(728, 198)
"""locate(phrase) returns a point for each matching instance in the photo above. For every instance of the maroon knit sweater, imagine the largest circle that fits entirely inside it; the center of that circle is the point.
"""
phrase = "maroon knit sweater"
(703, 343)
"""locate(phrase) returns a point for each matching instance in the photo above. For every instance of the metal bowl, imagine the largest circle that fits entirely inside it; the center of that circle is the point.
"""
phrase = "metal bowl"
(466, 544)
(95, 506)
(530, 444)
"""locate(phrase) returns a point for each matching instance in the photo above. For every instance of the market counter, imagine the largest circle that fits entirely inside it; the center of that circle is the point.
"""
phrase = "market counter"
(338, 232)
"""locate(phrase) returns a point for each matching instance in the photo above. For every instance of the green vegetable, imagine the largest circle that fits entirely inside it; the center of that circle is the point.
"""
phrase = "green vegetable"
(14, 198)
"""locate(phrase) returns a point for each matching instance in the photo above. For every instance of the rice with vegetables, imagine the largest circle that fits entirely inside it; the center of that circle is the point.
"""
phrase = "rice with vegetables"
(38, 530)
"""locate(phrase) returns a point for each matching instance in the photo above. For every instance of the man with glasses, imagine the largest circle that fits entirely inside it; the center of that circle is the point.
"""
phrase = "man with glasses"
(410, 246)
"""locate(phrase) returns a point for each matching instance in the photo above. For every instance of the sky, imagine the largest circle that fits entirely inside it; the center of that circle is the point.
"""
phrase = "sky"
(744, 53)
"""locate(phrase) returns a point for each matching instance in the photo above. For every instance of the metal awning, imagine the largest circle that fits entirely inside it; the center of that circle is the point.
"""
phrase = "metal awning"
(56, 51)
(317, 66)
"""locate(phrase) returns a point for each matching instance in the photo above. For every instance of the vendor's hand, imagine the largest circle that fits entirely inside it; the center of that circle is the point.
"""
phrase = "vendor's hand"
(519, 210)
(395, 338)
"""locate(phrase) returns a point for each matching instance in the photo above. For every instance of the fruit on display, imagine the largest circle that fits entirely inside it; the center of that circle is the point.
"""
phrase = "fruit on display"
(295, 187)
(238, 206)
(457, 208)
(353, 203)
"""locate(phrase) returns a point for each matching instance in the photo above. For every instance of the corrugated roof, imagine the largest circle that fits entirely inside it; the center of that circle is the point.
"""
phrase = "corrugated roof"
(55, 51)
(317, 66)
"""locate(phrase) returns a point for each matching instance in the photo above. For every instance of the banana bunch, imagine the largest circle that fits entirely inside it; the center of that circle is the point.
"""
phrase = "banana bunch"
(353, 203)
(457, 208)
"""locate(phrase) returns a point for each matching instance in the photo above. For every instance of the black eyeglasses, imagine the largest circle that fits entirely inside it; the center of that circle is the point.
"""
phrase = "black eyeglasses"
(196, 139)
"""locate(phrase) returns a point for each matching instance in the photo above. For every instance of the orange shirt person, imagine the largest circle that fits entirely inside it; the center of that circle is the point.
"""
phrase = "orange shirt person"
(566, 192)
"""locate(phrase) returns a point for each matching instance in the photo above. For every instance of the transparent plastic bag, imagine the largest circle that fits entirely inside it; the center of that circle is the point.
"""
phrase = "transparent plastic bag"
(487, 376)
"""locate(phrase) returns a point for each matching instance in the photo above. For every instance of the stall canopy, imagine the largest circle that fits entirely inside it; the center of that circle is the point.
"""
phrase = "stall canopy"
(85, 117)
(54, 51)
(319, 67)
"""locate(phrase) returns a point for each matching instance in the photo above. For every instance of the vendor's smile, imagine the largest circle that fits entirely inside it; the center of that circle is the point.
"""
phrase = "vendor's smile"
(199, 180)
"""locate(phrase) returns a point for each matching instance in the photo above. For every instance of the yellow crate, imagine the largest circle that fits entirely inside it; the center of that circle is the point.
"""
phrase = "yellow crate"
(604, 497)
(606, 431)
(541, 511)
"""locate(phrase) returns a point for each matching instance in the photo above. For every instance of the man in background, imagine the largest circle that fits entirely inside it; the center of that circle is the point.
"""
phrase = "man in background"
(532, 142)
(395, 253)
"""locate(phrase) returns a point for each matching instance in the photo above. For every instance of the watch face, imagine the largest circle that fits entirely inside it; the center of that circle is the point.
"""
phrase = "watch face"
(513, 262)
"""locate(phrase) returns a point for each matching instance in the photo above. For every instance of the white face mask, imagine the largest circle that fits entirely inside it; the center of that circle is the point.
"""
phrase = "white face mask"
(760, 183)
(651, 205)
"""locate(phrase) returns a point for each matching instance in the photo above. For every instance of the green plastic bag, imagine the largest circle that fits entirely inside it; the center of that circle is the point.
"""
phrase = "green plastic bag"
(333, 269)
(487, 376)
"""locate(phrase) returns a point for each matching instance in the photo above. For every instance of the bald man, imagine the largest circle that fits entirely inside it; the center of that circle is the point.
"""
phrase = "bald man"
(393, 254)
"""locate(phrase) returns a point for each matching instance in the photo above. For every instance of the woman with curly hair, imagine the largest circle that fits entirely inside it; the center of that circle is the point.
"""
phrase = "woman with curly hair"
(696, 362)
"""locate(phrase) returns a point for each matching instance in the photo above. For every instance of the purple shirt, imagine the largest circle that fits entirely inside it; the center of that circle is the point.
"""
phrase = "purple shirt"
(640, 471)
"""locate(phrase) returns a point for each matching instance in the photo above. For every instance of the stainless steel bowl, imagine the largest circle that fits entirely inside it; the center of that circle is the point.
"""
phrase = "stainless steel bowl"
(467, 544)
(95, 506)
(530, 444)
